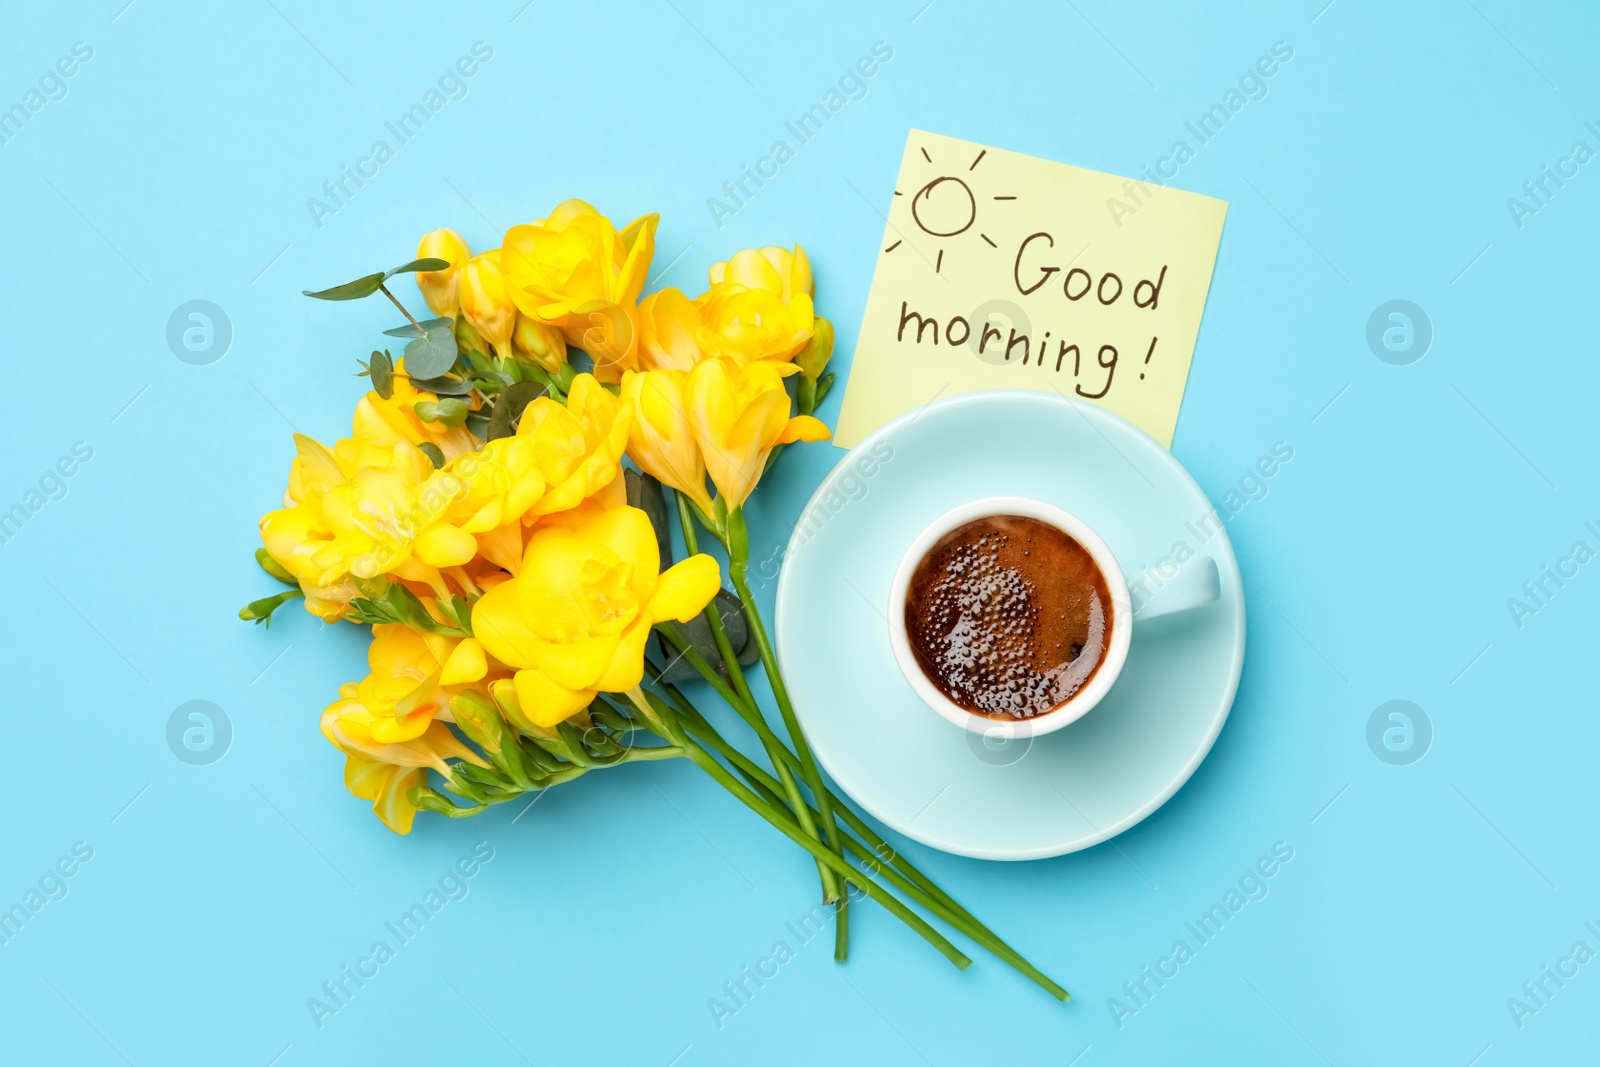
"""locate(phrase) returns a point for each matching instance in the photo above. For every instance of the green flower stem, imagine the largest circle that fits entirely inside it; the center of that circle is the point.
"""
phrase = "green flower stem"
(779, 817)
(855, 822)
(955, 916)
(882, 847)
(751, 710)
(655, 752)
(752, 715)
(384, 289)
(738, 560)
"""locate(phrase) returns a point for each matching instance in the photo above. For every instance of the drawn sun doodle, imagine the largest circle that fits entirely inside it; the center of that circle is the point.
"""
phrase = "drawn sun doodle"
(947, 207)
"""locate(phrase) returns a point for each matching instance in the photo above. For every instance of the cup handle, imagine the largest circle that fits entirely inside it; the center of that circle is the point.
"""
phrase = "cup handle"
(1195, 585)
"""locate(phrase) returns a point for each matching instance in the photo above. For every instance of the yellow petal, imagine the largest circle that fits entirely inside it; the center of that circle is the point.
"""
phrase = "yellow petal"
(365, 778)
(318, 469)
(402, 726)
(627, 532)
(626, 669)
(804, 428)
(544, 703)
(444, 545)
(667, 325)
(466, 664)
(685, 589)
(576, 664)
(502, 546)
(392, 805)
(501, 627)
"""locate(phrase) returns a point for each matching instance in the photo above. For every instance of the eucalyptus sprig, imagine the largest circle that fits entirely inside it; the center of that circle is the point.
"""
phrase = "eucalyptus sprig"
(431, 350)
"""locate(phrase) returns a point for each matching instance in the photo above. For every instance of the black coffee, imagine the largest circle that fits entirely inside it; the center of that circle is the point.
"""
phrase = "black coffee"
(1008, 616)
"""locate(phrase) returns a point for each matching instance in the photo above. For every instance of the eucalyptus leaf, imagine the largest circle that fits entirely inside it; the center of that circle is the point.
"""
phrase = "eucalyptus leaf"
(443, 386)
(431, 450)
(477, 424)
(453, 411)
(407, 330)
(381, 370)
(417, 265)
(518, 395)
(355, 290)
(433, 355)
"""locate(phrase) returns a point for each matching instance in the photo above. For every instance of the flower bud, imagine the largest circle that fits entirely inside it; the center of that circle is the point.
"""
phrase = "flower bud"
(439, 287)
(485, 302)
(541, 343)
(813, 358)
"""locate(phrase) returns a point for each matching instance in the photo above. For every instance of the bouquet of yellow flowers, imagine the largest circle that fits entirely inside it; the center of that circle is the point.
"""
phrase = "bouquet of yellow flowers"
(528, 625)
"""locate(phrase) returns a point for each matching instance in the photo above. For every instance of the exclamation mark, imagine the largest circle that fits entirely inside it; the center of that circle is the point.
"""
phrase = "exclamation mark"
(1147, 356)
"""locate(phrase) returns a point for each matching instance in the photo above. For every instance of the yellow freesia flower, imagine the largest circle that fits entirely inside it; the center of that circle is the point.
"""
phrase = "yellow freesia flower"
(305, 538)
(486, 301)
(661, 439)
(439, 286)
(575, 271)
(379, 519)
(387, 786)
(738, 413)
(575, 619)
(578, 446)
(758, 307)
(669, 326)
(403, 691)
(384, 772)
(499, 485)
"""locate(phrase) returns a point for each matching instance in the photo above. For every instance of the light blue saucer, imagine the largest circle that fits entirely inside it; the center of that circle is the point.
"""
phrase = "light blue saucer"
(943, 785)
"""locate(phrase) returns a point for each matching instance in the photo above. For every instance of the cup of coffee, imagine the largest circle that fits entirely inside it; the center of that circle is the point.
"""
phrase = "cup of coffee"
(1011, 618)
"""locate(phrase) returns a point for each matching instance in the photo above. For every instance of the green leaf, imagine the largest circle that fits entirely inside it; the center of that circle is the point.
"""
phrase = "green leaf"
(451, 411)
(380, 368)
(463, 613)
(489, 384)
(407, 330)
(432, 355)
(274, 568)
(417, 265)
(261, 610)
(645, 493)
(477, 425)
(508, 408)
(349, 290)
(431, 450)
(823, 385)
(698, 630)
(443, 386)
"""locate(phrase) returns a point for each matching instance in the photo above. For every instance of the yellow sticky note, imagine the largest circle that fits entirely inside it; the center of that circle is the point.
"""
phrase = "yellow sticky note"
(1004, 271)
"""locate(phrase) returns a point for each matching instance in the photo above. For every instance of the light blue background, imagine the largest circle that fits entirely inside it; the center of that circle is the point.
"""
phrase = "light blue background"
(1378, 167)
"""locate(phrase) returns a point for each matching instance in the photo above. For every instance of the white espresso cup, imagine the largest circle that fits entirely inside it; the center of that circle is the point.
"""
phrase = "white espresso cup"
(1193, 584)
